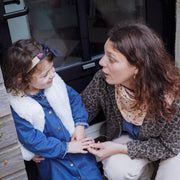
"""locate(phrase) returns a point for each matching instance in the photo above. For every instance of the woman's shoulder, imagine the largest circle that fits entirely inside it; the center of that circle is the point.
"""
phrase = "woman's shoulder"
(96, 85)
(176, 102)
(99, 79)
(99, 75)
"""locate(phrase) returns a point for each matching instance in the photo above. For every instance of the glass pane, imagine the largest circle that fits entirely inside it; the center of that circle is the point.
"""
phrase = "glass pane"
(18, 26)
(103, 14)
(55, 22)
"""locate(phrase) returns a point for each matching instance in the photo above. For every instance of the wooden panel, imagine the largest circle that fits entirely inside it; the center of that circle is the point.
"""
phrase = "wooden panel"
(7, 132)
(4, 104)
(21, 175)
(14, 161)
(11, 161)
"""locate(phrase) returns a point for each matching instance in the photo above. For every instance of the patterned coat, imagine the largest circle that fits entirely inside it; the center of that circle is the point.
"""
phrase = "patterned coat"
(157, 138)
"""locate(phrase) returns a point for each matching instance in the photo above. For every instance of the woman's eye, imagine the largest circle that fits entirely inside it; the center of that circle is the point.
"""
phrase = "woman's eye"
(111, 60)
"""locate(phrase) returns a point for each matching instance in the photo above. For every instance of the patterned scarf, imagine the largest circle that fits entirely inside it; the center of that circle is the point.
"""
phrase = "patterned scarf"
(127, 106)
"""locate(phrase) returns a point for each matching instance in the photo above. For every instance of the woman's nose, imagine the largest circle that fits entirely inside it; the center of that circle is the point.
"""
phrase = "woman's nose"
(102, 61)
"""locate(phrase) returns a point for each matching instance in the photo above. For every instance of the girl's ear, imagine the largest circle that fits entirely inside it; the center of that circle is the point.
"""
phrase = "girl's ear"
(19, 80)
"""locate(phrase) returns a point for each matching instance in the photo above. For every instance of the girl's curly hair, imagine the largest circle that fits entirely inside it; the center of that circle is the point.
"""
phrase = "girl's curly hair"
(17, 61)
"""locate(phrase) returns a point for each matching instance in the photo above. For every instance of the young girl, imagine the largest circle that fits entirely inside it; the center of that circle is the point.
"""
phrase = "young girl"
(49, 115)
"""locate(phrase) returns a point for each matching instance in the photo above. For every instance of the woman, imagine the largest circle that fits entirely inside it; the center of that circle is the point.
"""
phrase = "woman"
(139, 92)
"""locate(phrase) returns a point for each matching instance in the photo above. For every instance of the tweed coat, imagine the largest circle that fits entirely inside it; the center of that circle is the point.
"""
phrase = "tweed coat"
(157, 138)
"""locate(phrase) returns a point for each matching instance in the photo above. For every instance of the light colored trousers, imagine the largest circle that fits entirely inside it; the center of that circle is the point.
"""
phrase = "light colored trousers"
(122, 167)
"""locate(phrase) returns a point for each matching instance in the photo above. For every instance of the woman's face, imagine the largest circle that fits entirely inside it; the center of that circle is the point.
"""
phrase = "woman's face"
(116, 68)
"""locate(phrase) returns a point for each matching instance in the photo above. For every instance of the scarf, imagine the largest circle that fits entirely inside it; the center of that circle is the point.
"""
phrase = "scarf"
(127, 106)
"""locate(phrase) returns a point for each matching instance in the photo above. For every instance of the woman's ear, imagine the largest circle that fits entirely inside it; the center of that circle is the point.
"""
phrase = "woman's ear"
(136, 71)
(19, 80)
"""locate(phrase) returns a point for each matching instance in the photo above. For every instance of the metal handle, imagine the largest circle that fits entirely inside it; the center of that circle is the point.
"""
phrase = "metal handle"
(15, 13)
(89, 65)
(11, 2)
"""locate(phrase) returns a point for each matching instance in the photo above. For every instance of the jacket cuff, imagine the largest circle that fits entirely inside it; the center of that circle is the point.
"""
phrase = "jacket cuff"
(86, 125)
(65, 146)
(131, 152)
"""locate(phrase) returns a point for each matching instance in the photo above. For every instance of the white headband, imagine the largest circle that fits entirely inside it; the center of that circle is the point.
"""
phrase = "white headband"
(35, 61)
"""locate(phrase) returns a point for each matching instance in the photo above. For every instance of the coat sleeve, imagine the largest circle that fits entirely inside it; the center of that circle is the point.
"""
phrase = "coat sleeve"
(36, 141)
(165, 146)
(79, 112)
(91, 96)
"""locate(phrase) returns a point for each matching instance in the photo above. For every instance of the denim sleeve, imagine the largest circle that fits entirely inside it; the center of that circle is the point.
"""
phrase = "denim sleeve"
(36, 141)
(79, 112)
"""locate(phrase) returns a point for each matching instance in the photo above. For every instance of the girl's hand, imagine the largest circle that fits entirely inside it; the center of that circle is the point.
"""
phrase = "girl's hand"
(38, 159)
(80, 146)
(79, 133)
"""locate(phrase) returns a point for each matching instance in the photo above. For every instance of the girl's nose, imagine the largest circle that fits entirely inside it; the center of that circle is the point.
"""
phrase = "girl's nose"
(102, 61)
(52, 73)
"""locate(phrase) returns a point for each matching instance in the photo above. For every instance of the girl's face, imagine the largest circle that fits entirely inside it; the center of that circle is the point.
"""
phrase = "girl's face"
(116, 67)
(42, 78)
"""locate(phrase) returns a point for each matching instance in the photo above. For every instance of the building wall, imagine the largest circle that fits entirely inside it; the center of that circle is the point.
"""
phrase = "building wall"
(177, 42)
(11, 161)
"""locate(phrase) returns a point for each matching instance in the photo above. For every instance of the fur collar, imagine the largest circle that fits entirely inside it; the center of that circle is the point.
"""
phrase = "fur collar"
(30, 110)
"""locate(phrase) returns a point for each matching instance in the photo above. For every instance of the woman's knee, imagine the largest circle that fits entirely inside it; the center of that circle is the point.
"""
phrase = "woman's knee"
(169, 169)
(120, 173)
(120, 167)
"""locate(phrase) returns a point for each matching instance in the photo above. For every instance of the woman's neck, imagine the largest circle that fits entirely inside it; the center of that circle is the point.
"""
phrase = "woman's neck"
(129, 84)
(128, 88)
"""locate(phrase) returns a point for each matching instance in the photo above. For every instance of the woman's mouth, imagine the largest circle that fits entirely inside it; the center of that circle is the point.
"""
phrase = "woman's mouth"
(105, 74)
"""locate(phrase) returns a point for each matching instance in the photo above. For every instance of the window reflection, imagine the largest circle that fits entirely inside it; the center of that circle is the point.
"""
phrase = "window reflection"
(55, 22)
(103, 14)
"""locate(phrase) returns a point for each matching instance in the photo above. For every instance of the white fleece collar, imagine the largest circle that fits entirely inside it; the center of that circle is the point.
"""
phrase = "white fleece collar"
(30, 110)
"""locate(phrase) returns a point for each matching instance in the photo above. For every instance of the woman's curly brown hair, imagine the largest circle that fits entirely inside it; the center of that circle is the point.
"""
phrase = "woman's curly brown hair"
(157, 75)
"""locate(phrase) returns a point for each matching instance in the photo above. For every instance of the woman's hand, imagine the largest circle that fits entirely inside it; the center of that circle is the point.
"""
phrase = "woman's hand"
(38, 159)
(79, 133)
(106, 149)
(80, 146)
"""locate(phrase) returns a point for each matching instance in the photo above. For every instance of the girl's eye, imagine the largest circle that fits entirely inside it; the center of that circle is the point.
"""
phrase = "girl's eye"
(45, 75)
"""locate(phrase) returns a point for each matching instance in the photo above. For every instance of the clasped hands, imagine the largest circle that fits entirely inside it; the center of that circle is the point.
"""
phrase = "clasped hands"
(74, 146)
(85, 145)
(101, 150)
(80, 144)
